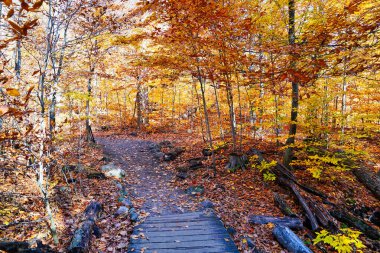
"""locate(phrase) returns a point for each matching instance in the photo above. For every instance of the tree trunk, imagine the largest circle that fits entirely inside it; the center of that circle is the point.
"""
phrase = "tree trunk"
(89, 135)
(218, 111)
(295, 86)
(208, 128)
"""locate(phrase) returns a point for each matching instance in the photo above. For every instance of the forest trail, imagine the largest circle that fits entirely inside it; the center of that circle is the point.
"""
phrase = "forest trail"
(146, 179)
(172, 224)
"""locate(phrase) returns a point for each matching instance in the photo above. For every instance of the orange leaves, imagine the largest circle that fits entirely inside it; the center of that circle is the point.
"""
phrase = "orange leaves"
(7, 2)
(13, 92)
(23, 30)
(37, 4)
(3, 110)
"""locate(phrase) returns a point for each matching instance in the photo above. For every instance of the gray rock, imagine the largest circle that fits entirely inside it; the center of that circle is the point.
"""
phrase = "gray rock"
(122, 211)
(133, 215)
(158, 155)
(207, 204)
(127, 202)
(182, 175)
(111, 170)
(194, 190)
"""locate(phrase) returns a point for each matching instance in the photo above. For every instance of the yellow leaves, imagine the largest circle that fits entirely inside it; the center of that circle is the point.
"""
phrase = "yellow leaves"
(343, 242)
(13, 92)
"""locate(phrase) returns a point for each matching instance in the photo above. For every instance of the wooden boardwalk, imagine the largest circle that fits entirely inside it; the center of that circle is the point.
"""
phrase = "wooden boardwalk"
(196, 232)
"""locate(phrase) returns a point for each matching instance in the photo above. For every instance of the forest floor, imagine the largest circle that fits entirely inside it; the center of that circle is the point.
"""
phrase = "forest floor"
(158, 189)
(155, 188)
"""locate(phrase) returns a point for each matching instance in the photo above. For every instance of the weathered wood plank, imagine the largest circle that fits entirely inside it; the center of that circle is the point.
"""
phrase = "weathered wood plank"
(190, 232)
(183, 238)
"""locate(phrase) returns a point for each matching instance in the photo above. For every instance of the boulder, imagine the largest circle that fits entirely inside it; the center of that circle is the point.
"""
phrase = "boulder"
(195, 190)
(122, 211)
(158, 155)
(182, 175)
(127, 202)
(111, 170)
(165, 144)
(207, 204)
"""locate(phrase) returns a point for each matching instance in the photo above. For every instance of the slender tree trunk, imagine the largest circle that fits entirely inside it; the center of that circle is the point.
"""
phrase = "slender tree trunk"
(218, 111)
(276, 120)
(262, 91)
(139, 105)
(344, 98)
(295, 86)
(199, 108)
(173, 104)
(240, 113)
(89, 135)
(202, 82)
(120, 110)
(162, 107)
(18, 60)
(57, 76)
(230, 101)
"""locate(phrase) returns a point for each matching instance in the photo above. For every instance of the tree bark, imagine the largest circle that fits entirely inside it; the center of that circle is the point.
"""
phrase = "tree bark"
(284, 207)
(288, 155)
(369, 179)
(290, 222)
(81, 240)
(353, 221)
(89, 135)
(290, 240)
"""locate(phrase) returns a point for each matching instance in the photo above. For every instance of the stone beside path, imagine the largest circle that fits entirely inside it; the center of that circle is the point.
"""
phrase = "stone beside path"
(196, 232)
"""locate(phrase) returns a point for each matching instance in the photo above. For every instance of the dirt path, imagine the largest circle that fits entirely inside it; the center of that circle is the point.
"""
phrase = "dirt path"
(147, 180)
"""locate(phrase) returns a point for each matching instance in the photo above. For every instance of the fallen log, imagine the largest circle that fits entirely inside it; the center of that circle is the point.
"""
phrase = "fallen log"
(290, 240)
(80, 242)
(369, 179)
(358, 223)
(294, 223)
(375, 217)
(323, 216)
(25, 247)
(281, 171)
(310, 215)
(285, 209)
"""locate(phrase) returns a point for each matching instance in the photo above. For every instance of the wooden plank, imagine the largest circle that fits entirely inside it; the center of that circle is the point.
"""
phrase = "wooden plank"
(183, 238)
(181, 232)
(192, 250)
(180, 217)
(152, 221)
(165, 227)
(191, 232)
(224, 247)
